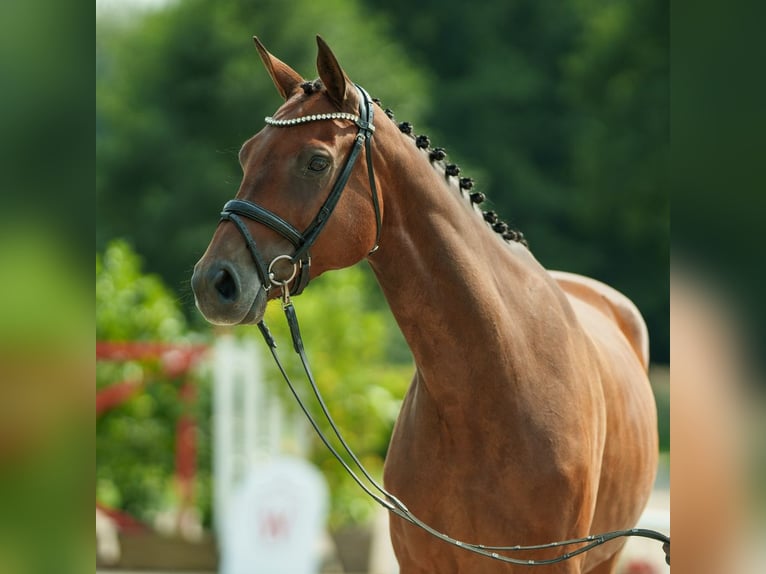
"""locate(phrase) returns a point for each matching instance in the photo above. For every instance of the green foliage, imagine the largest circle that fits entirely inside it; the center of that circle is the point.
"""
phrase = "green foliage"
(662, 398)
(132, 306)
(660, 378)
(135, 442)
(617, 81)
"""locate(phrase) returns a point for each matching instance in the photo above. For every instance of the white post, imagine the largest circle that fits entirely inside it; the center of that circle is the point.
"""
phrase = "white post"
(238, 403)
(223, 415)
(252, 392)
(269, 509)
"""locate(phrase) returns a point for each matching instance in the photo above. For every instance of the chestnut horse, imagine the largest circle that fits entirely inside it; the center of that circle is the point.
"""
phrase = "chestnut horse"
(530, 417)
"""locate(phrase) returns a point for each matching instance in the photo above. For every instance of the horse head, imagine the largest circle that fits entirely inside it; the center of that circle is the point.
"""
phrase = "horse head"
(289, 221)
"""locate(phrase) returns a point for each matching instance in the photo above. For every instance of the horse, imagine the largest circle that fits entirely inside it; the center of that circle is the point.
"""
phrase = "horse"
(530, 417)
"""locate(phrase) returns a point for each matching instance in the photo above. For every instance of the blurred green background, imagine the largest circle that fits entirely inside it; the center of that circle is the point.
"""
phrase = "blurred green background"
(558, 110)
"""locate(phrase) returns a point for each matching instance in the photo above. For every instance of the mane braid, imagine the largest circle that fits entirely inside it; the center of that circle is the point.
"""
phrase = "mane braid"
(465, 184)
(436, 155)
(312, 87)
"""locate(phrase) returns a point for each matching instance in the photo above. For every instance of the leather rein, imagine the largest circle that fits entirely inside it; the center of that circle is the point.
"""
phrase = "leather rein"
(301, 261)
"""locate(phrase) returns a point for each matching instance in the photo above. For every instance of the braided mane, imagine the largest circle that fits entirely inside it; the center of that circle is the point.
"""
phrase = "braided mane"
(438, 157)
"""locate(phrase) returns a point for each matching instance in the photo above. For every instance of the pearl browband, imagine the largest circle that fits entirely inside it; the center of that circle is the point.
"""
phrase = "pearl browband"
(315, 117)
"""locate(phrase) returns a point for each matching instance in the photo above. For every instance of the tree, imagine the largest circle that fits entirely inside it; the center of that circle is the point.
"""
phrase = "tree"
(617, 81)
(135, 442)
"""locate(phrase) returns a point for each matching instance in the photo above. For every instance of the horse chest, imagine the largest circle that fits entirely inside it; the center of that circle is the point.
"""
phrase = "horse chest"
(458, 463)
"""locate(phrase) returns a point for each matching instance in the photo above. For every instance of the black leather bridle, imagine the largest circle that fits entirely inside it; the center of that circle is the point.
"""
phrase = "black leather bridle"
(302, 241)
(301, 261)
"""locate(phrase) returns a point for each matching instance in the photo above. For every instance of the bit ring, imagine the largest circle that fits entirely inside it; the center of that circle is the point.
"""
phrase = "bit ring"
(272, 277)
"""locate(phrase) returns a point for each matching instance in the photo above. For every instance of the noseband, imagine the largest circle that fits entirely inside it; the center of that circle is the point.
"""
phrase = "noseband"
(302, 241)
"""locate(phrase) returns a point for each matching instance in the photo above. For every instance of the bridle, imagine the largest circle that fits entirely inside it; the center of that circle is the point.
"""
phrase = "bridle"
(301, 261)
(302, 241)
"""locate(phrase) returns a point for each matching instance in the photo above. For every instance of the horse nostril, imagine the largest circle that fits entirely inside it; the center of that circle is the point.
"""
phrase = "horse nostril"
(225, 285)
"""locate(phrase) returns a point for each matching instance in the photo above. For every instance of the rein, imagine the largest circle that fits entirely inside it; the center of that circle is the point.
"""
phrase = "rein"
(396, 506)
(301, 261)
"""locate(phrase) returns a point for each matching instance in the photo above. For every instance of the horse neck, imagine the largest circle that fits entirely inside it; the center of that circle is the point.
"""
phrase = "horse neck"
(454, 286)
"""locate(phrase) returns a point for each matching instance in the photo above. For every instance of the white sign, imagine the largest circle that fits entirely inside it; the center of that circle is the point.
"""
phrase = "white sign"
(275, 520)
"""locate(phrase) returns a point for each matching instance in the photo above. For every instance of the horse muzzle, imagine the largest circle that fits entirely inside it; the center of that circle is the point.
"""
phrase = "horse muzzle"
(225, 295)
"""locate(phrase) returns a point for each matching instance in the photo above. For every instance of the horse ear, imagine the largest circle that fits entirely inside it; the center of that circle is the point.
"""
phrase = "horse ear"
(332, 75)
(285, 78)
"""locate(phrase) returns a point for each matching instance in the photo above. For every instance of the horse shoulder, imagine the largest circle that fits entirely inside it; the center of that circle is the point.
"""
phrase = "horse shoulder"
(611, 303)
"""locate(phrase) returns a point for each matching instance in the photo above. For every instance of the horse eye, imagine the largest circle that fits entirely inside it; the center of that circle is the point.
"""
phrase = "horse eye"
(318, 163)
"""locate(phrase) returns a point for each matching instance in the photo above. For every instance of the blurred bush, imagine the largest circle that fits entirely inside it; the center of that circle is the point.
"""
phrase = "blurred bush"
(131, 305)
(135, 441)
(349, 341)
